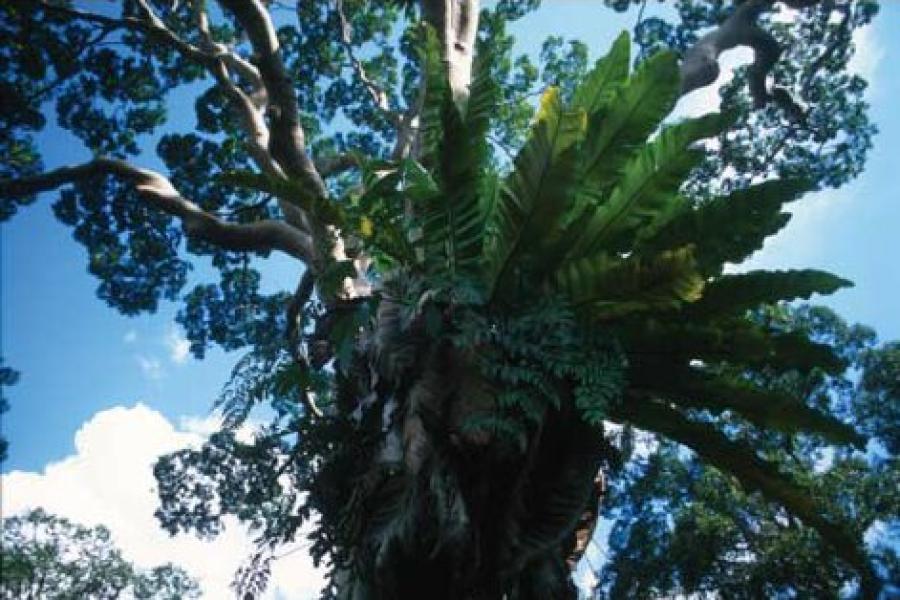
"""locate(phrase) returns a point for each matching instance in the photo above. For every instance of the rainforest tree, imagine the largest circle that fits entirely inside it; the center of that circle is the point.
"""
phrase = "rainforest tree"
(498, 261)
(45, 556)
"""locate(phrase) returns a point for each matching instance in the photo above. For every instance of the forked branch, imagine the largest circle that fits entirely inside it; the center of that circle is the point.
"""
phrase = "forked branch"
(287, 142)
(700, 66)
(158, 191)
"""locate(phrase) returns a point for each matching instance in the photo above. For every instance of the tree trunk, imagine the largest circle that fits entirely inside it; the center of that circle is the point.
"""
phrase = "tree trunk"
(451, 513)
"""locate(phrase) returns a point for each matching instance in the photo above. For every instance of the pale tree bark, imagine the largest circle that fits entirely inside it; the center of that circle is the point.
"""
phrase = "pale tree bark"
(700, 66)
(158, 192)
(456, 23)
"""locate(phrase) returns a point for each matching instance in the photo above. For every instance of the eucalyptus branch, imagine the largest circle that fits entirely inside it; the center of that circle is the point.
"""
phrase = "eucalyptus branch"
(157, 191)
(228, 56)
(152, 27)
(155, 30)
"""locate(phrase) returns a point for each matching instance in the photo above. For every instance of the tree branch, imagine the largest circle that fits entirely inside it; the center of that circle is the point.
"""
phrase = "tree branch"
(153, 28)
(329, 166)
(700, 66)
(232, 59)
(157, 191)
(287, 143)
(379, 96)
(213, 58)
(301, 297)
(456, 23)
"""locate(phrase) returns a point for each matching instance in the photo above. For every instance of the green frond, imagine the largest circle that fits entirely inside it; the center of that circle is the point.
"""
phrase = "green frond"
(599, 86)
(484, 94)
(536, 192)
(730, 228)
(647, 192)
(634, 112)
(754, 474)
(736, 341)
(795, 350)
(437, 91)
(733, 294)
(764, 408)
(611, 287)
(453, 222)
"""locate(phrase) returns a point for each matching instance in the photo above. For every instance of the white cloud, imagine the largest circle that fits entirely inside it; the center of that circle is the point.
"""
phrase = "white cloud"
(109, 480)
(130, 336)
(206, 426)
(150, 366)
(178, 345)
(868, 53)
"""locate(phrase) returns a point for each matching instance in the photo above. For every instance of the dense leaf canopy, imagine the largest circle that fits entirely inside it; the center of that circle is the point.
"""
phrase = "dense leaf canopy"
(45, 556)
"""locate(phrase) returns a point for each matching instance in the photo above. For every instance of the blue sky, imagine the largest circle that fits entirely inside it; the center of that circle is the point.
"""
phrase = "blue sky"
(85, 368)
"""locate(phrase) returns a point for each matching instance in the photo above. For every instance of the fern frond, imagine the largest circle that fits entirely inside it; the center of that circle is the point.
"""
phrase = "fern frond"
(648, 189)
(613, 287)
(754, 474)
(762, 407)
(635, 111)
(596, 91)
(730, 228)
(734, 294)
(453, 222)
(535, 194)
(735, 341)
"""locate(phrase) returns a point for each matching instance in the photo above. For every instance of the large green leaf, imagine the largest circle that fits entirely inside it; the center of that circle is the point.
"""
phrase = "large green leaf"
(754, 474)
(453, 222)
(733, 294)
(600, 85)
(648, 189)
(437, 90)
(635, 111)
(536, 192)
(730, 228)
(610, 287)
(736, 341)
(765, 408)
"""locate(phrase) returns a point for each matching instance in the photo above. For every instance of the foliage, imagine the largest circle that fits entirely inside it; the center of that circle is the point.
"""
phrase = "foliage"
(8, 377)
(518, 279)
(591, 213)
(45, 556)
(829, 143)
(683, 528)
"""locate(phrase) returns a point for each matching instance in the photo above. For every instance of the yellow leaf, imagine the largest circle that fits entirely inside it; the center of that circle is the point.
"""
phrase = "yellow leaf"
(366, 227)
(549, 102)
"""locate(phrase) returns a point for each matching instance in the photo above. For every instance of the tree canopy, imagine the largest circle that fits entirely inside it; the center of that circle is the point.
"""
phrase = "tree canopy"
(501, 258)
(45, 556)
